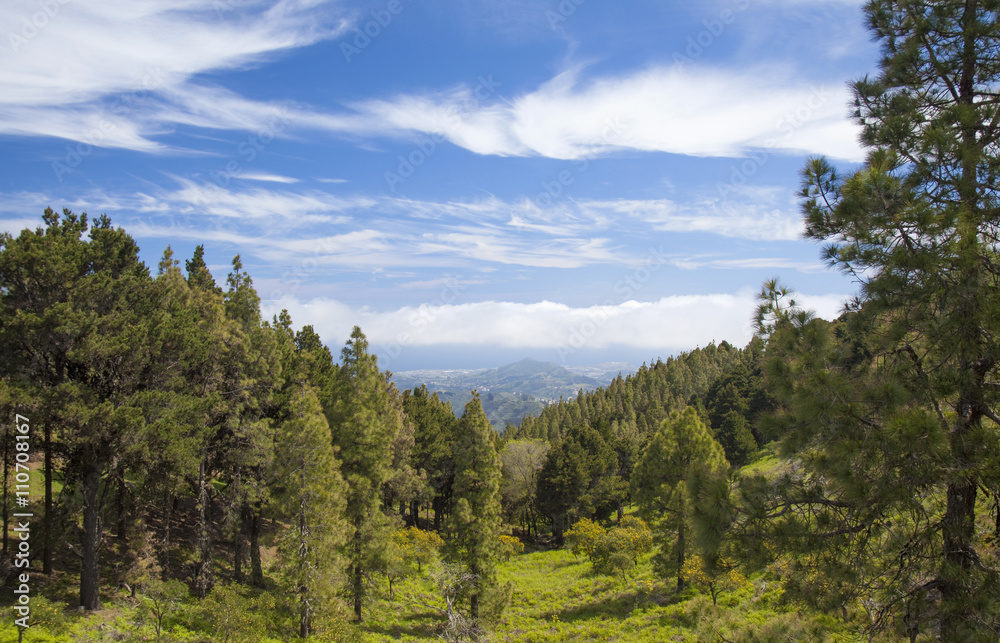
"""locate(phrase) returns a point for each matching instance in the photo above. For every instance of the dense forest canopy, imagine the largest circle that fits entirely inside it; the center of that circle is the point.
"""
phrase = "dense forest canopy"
(187, 452)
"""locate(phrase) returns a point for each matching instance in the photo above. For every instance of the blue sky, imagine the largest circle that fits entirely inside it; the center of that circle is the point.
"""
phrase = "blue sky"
(471, 182)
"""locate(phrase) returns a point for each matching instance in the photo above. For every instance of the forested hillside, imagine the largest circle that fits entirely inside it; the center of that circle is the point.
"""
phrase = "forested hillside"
(508, 393)
(177, 468)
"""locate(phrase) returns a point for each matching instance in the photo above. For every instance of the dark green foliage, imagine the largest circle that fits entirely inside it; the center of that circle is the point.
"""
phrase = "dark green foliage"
(579, 479)
(672, 479)
(474, 527)
(311, 498)
(364, 424)
(79, 330)
(435, 434)
(522, 465)
(894, 409)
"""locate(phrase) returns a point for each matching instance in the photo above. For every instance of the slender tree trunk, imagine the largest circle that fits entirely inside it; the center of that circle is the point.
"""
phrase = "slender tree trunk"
(996, 516)
(304, 604)
(680, 555)
(204, 539)
(90, 598)
(958, 529)
(476, 588)
(238, 550)
(168, 514)
(121, 509)
(357, 571)
(256, 525)
(357, 582)
(958, 525)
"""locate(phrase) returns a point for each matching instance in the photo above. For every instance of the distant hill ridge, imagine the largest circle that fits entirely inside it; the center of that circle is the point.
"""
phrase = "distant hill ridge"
(530, 373)
(508, 392)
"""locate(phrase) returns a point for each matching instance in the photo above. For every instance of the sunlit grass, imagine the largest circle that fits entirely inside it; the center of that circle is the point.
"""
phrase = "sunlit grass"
(558, 597)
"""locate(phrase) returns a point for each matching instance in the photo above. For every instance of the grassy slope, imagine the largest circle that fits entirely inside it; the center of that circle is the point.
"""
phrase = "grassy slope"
(559, 598)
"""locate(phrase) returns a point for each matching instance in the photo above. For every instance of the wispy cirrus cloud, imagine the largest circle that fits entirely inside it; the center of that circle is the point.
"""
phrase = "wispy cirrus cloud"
(743, 219)
(689, 110)
(101, 72)
(267, 178)
(131, 81)
(356, 230)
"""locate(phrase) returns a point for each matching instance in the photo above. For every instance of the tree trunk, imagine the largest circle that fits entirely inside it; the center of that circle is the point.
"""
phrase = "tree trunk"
(238, 551)
(438, 511)
(477, 584)
(204, 539)
(357, 582)
(958, 529)
(680, 556)
(90, 598)
(168, 514)
(958, 525)
(303, 552)
(256, 569)
(996, 516)
(120, 508)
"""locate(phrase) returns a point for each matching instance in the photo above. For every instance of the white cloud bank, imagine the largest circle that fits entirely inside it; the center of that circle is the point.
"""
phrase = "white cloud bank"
(669, 324)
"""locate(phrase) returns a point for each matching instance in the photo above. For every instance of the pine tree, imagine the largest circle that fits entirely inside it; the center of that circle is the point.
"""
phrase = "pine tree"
(311, 497)
(681, 455)
(253, 375)
(363, 424)
(80, 321)
(475, 524)
(917, 227)
(435, 435)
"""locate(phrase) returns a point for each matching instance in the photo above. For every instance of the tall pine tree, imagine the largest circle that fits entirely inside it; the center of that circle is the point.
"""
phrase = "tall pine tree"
(475, 524)
(917, 226)
(675, 465)
(363, 424)
(311, 498)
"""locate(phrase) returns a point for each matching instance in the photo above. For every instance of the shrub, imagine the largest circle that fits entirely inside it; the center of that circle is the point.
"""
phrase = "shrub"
(615, 551)
(510, 546)
(584, 537)
(722, 578)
